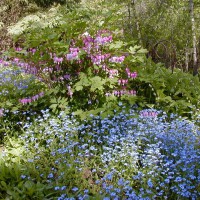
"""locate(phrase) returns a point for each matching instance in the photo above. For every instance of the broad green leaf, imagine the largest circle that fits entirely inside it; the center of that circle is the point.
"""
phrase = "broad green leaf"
(78, 112)
(132, 50)
(142, 51)
(3, 183)
(116, 45)
(97, 83)
(78, 87)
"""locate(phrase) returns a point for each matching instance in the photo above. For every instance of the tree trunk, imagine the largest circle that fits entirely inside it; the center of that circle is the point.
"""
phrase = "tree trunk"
(137, 22)
(194, 40)
(186, 59)
(130, 20)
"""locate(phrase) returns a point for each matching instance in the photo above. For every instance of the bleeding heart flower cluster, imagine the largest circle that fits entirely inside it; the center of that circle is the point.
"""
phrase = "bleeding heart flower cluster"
(70, 93)
(1, 112)
(99, 59)
(4, 63)
(148, 113)
(31, 99)
(102, 38)
(95, 49)
(123, 81)
(32, 50)
(116, 59)
(73, 54)
(58, 60)
(124, 92)
(18, 49)
(131, 74)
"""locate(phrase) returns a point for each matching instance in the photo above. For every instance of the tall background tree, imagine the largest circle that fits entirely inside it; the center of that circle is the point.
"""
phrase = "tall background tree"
(167, 28)
(194, 39)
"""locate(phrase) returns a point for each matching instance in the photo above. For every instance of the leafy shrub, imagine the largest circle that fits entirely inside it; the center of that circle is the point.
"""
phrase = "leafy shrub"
(176, 92)
(129, 156)
(17, 86)
(19, 92)
(82, 66)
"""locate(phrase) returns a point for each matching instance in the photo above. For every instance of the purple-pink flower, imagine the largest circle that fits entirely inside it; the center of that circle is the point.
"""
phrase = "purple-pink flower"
(124, 92)
(113, 72)
(1, 112)
(18, 49)
(58, 60)
(146, 113)
(117, 59)
(31, 99)
(122, 81)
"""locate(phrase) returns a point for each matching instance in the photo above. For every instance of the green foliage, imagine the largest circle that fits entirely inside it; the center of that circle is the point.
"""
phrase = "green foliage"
(155, 85)
(176, 92)
(16, 85)
(50, 151)
(17, 165)
(163, 28)
(88, 81)
(16, 89)
(57, 155)
(11, 184)
(48, 3)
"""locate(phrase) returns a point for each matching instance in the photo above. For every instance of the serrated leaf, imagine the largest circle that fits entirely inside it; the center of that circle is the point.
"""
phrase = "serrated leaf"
(150, 105)
(116, 45)
(78, 87)
(53, 101)
(9, 103)
(140, 59)
(97, 83)
(133, 60)
(52, 36)
(14, 109)
(84, 81)
(142, 51)
(53, 106)
(132, 50)
(78, 112)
